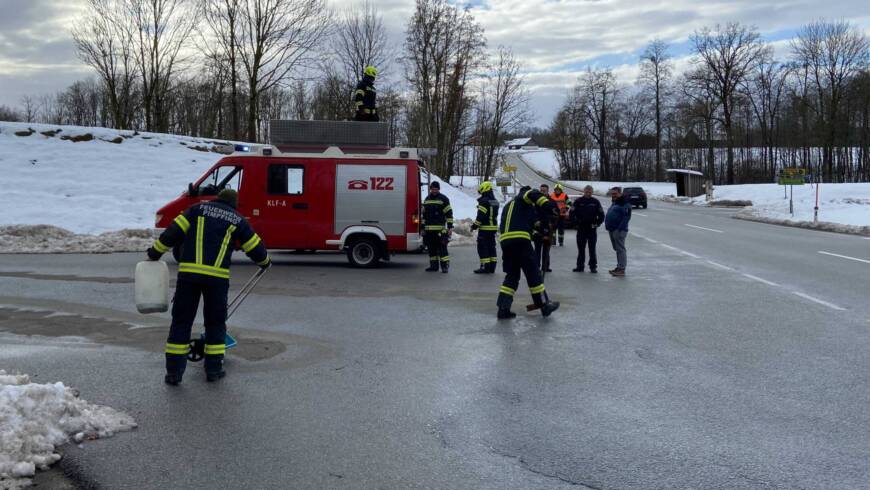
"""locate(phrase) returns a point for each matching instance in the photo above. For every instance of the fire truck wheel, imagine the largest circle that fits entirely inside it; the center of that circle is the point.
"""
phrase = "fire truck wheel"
(363, 252)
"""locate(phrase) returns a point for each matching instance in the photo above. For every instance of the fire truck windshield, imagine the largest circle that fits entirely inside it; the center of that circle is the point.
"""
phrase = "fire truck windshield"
(224, 177)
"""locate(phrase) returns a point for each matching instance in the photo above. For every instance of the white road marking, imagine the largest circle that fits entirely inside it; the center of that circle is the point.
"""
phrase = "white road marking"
(819, 301)
(639, 214)
(651, 240)
(675, 249)
(702, 228)
(716, 264)
(844, 257)
(689, 254)
(764, 281)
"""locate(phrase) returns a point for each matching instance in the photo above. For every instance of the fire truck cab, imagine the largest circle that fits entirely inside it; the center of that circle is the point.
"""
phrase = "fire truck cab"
(320, 185)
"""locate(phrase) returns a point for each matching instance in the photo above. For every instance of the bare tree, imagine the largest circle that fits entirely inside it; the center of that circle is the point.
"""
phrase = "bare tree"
(728, 53)
(221, 42)
(361, 40)
(833, 52)
(160, 30)
(702, 103)
(765, 90)
(596, 97)
(655, 73)
(443, 48)
(103, 42)
(502, 106)
(277, 37)
(29, 108)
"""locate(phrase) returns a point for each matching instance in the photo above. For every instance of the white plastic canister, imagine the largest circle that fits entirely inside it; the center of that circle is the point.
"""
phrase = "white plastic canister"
(152, 286)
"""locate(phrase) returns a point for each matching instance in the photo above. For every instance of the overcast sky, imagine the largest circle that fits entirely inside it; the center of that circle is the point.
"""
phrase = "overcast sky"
(555, 39)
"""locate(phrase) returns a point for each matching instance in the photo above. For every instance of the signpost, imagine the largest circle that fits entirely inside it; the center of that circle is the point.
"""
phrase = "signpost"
(792, 177)
(506, 180)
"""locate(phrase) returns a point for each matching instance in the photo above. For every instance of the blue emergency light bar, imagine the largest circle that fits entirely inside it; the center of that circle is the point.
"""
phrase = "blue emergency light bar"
(244, 148)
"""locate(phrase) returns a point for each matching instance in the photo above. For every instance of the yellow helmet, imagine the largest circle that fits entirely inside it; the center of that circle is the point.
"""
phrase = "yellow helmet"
(484, 187)
(371, 71)
(558, 187)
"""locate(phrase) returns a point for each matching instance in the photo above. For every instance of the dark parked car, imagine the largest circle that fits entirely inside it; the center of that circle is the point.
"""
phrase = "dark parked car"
(636, 196)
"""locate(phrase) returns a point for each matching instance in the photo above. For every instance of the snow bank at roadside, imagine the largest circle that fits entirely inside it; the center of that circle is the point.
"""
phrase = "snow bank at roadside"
(846, 204)
(464, 206)
(51, 239)
(35, 418)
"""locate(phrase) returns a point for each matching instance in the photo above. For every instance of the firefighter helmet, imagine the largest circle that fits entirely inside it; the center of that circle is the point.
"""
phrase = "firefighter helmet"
(371, 71)
(484, 187)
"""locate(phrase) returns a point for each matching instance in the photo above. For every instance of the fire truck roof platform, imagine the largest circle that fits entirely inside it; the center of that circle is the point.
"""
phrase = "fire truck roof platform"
(330, 139)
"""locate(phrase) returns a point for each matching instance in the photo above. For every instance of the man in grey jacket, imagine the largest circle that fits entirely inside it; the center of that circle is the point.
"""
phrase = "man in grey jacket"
(616, 223)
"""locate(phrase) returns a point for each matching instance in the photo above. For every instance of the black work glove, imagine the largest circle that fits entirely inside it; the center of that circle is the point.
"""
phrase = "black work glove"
(473, 227)
(266, 265)
(153, 254)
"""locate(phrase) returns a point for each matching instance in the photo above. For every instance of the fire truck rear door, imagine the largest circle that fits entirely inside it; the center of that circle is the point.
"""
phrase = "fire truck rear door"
(371, 195)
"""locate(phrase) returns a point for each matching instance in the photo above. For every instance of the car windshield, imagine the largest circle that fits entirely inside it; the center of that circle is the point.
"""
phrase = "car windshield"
(633, 190)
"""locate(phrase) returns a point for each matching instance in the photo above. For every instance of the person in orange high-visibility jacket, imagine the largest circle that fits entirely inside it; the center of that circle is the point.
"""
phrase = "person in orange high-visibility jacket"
(207, 232)
(559, 197)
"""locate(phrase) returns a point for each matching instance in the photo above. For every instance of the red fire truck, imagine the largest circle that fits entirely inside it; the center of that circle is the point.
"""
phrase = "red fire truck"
(314, 192)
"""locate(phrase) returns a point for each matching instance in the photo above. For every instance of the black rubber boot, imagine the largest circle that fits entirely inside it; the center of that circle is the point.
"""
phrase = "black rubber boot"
(482, 270)
(172, 379)
(577, 269)
(505, 314)
(445, 266)
(433, 266)
(593, 270)
(549, 307)
(215, 375)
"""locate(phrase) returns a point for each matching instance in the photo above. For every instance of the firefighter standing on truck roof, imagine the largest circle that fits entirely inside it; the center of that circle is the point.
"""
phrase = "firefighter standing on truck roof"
(437, 227)
(208, 231)
(561, 199)
(365, 96)
(487, 222)
(517, 221)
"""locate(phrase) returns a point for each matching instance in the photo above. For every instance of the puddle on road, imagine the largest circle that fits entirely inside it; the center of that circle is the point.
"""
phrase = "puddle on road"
(67, 277)
(46, 323)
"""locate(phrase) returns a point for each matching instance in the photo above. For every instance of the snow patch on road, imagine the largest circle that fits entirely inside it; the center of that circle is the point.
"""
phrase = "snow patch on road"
(36, 418)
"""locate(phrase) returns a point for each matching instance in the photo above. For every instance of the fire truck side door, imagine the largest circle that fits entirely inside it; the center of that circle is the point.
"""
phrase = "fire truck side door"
(284, 211)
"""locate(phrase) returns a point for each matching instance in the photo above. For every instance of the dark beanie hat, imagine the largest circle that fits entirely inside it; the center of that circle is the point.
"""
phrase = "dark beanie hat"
(435, 185)
(229, 196)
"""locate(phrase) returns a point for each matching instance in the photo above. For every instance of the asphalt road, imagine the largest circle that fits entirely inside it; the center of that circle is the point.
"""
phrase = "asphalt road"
(734, 355)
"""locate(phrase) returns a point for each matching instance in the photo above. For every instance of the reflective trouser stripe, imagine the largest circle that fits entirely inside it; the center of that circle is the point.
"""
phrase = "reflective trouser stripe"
(434, 228)
(445, 259)
(178, 349)
(537, 289)
(506, 290)
(215, 349)
(489, 228)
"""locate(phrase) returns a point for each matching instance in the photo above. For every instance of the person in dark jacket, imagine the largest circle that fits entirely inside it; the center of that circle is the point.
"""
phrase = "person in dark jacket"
(365, 96)
(207, 232)
(544, 234)
(518, 219)
(587, 215)
(616, 223)
(487, 224)
(437, 227)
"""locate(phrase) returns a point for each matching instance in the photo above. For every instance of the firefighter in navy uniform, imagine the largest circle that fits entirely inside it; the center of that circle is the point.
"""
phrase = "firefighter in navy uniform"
(208, 232)
(365, 96)
(487, 222)
(518, 219)
(437, 227)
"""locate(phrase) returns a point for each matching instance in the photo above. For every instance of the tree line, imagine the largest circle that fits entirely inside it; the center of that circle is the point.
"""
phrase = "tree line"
(223, 69)
(739, 114)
